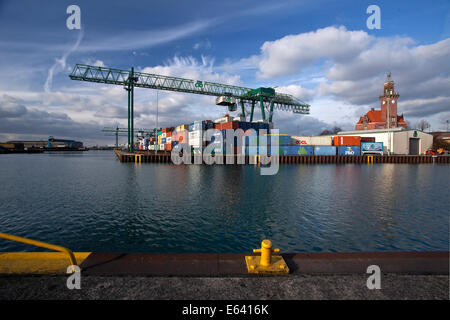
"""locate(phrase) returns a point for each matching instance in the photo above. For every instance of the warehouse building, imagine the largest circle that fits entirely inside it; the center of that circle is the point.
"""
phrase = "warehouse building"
(397, 140)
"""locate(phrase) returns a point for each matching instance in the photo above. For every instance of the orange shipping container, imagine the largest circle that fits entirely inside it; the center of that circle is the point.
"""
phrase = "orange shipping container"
(168, 134)
(229, 125)
(163, 130)
(347, 141)
(168, 146)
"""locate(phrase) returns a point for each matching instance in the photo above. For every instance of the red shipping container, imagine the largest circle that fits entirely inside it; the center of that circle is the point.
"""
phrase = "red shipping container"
(230, 125)
(168, 134)
(367, 139)
(347, 141)
(168, 146)
(218, 126)
(163, 130)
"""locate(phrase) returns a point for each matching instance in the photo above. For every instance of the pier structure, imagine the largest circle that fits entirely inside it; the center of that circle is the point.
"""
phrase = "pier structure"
(165, 157)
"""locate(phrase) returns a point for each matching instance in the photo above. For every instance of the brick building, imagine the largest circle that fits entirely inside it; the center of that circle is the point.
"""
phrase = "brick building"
(387, 117)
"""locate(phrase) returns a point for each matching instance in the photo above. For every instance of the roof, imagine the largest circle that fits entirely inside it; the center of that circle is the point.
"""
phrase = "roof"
(373, 115)
(398, 129)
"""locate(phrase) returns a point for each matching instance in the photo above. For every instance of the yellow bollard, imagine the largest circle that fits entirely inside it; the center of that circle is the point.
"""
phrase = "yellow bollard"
(266, 252)
(266, 263)
(136, 157)
(257, 160)
(370, 159)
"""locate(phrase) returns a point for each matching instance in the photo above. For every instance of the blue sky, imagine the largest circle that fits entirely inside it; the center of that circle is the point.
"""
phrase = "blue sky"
(320, 51)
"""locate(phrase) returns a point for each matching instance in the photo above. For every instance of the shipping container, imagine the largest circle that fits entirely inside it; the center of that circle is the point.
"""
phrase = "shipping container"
(201, 125)
(311, 140)
(169, 140)
(283, 139)
(301, 150)
(325, 150)
(367, 139)
(168, 134)
(228, 125)
(372, 147)
(349, 150)
(163, 140)
(168, 146)
(151, 147)
(161, 146)
(196, 138)
(282, 150)
(347, 141)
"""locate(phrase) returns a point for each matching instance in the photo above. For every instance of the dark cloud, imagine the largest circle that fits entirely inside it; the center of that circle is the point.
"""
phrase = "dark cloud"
(11, 107)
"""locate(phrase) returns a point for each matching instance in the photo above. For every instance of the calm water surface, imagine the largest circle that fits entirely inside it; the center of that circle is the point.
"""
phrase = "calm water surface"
(91, 202)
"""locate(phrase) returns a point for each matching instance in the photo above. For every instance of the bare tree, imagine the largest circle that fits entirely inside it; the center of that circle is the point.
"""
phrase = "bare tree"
(329, 132)
(423, 125)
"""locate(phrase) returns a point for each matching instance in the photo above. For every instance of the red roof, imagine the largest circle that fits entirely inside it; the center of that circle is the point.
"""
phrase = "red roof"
(373, 115)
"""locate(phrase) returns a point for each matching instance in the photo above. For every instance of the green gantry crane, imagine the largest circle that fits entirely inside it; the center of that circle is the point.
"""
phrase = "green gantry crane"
(227, 95)
(120, 132)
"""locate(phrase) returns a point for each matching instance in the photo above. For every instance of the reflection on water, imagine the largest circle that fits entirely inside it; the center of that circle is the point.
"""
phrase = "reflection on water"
(91, 202)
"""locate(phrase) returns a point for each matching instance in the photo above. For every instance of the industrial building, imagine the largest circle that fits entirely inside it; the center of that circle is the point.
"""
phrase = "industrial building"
(397, 140)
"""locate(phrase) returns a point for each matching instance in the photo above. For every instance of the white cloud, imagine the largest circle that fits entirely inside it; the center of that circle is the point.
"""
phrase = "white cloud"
(297, 91)
(60, 64)
(354, 65)
(288, 55)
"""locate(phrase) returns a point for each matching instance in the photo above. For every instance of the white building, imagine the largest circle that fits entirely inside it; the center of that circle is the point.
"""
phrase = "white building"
(397, 140)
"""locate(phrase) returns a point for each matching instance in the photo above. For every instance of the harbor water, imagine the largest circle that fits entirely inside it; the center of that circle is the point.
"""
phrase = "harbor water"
(89, 201)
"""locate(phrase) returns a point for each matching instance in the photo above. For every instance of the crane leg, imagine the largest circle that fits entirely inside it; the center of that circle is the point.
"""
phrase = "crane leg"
(261, 102)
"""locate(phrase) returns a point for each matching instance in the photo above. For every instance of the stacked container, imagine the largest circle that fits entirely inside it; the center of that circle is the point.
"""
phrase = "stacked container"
(348, 145)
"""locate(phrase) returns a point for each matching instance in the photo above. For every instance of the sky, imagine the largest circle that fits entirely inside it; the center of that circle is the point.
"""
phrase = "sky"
(322, 52)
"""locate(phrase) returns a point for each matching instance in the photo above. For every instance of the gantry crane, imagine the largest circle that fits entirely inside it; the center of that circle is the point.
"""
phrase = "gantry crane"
(121, 132)
(227, 95)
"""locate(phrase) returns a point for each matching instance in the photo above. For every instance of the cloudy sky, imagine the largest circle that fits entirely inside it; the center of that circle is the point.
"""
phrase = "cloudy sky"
(319, 51)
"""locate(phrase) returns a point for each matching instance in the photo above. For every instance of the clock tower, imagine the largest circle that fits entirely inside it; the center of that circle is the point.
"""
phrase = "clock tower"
(389, 103)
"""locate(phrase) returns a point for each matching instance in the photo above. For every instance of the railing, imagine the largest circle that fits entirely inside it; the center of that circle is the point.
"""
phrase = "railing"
(49, 246)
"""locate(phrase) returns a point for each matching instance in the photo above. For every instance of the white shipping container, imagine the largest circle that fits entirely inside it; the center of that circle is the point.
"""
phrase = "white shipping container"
(196, 142)
(223, 120)
(163, 135)
(168, 139)
(161, 146)
(195, 134)
(300, 141)
(311, 140)
(151, 147)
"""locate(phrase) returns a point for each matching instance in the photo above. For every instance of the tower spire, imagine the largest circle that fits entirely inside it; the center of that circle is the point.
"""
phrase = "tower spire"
(388, 78)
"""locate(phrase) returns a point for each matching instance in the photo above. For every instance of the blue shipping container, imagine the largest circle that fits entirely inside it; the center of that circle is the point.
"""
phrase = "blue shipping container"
(375, 147)
(163, 140)
(349, 151)
(301, 151)
(324, 151)
(282, 140)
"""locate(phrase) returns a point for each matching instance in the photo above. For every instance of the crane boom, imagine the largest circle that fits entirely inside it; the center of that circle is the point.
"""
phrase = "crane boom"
(267, 97)
(97, 74)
